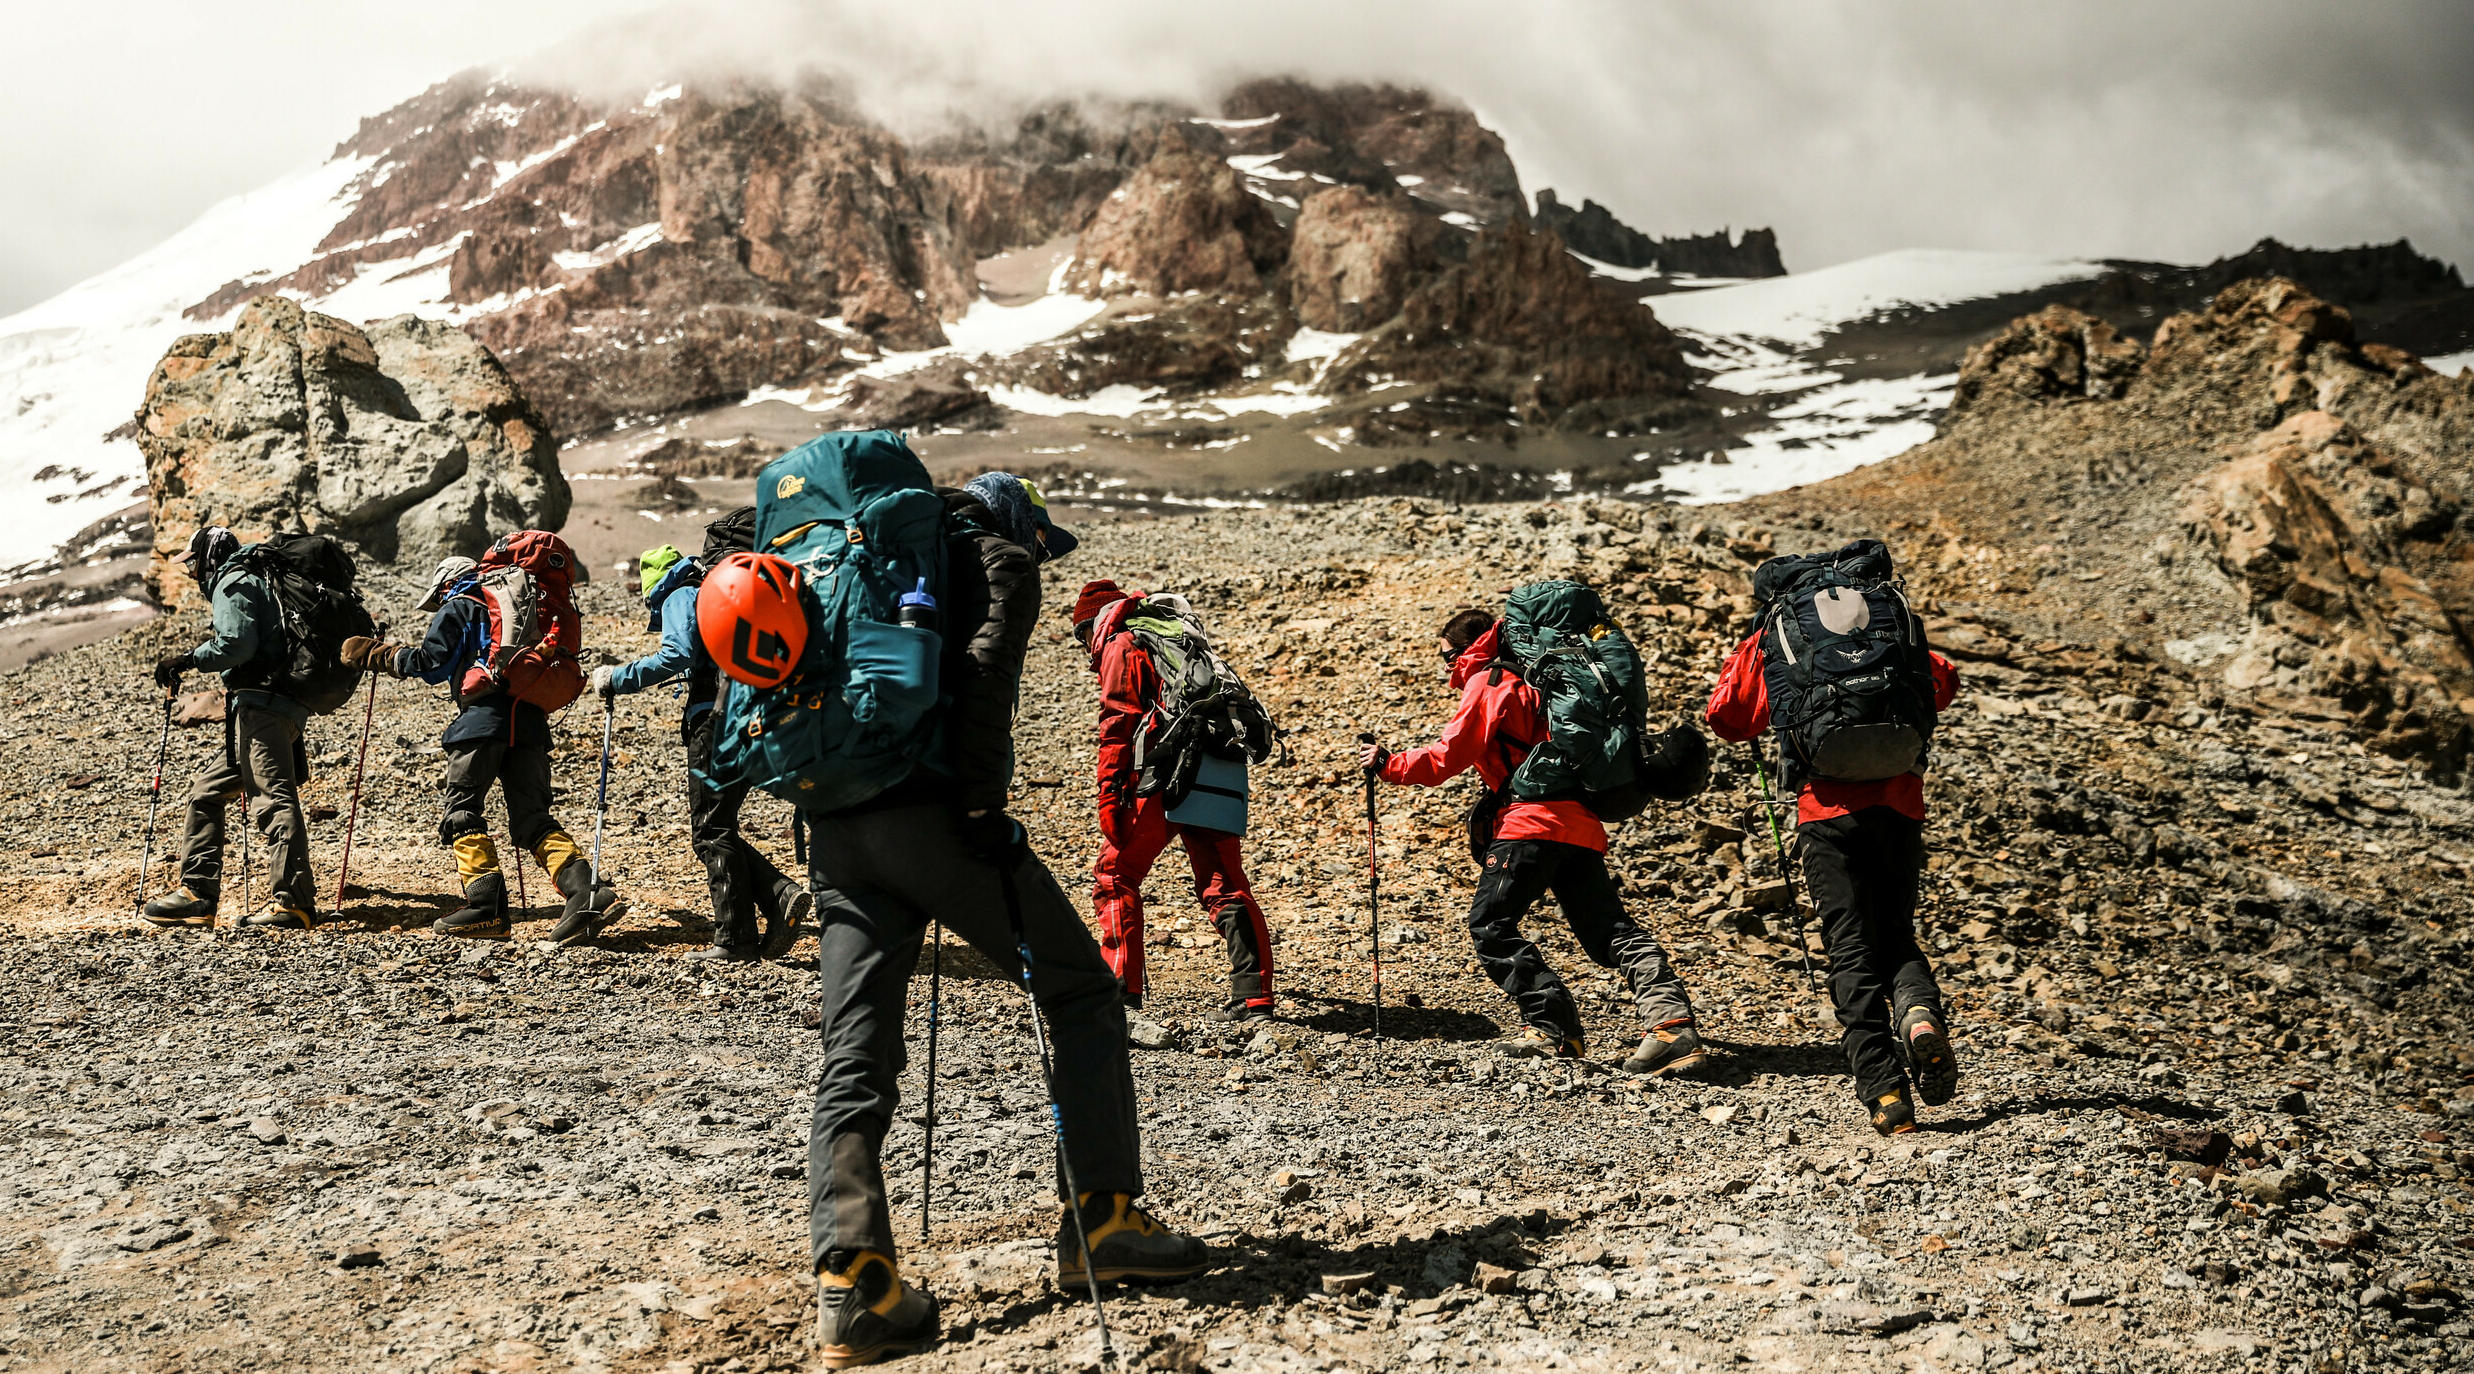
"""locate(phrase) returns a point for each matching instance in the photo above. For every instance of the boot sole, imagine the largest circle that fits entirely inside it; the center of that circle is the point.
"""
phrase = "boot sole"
(497, 931)
(595, 924)
(177, 922)
(798, 911)
(848, 1357)
(1937, 1070)
(1686, 1064)
(1134, 1275)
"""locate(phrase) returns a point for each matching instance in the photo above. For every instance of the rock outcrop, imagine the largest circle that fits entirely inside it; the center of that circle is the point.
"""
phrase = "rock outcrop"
(1184, 222)
(406, 438)
(2255, 497)
(1594, 231)
(1354, 255)
(1522, 325)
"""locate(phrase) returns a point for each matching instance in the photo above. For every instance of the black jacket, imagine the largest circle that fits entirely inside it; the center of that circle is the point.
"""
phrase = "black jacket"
(991, 607)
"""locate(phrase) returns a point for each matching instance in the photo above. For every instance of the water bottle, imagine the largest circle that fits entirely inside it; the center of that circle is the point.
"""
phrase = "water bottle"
(919, 610)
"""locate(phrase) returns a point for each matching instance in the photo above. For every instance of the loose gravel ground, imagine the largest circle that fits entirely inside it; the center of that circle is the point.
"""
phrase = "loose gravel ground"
(2208, 970)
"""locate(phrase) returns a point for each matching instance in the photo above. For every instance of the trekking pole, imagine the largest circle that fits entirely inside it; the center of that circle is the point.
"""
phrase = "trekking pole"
(369, 713)
(245, 823)
(1786, 871)
(523, 902)
(601, 803)
(936, 989)
(154, 798)
(1374, 897)
(1056, 1114)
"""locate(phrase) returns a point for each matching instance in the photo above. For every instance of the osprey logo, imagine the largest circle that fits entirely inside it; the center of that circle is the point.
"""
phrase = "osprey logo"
(790, 485)
(762, 654)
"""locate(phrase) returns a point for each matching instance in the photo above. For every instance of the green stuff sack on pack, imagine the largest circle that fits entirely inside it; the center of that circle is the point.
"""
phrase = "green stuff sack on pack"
(858, 516)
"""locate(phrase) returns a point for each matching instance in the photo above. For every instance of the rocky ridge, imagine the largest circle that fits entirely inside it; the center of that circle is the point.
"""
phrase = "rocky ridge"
(2254, 496)
(405, 438)
(1593, 230)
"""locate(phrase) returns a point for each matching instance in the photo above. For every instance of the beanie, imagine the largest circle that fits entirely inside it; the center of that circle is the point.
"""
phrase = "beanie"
(1096, 597)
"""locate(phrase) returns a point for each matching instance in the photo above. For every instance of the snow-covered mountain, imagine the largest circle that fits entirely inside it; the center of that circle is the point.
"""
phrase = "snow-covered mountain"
(1299, 279)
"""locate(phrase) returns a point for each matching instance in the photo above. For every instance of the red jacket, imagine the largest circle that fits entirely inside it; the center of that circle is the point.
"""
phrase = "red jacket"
(1129, 690)
(1739, 710)
(1499, 721)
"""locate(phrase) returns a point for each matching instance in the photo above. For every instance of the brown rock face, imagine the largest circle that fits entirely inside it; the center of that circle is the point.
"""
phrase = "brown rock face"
(1375, 136)
(406, 439)
(1522, 324)
(1184, 222)
(2323, 533)
(1354, 256)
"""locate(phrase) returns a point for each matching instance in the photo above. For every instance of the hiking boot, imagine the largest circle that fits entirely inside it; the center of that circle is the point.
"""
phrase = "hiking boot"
(1894, 1112)
(1240, 1011)
(180, 907)
(732, 954)
(866, 1313)
(1128, 1245)
(1668, 1050)
(279, 914)
(1530, 1042)
(1929, 1058)
(484, 913)
(592, 904)
(781, 932)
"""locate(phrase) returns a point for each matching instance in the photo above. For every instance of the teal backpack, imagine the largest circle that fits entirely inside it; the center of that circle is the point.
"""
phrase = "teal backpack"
(858, 516)
(1558, 637)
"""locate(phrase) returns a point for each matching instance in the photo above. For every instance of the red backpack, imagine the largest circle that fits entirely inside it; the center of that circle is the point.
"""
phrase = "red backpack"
(526, 581)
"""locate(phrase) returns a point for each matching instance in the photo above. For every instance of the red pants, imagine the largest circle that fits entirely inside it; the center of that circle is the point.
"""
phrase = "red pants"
(1130, 841)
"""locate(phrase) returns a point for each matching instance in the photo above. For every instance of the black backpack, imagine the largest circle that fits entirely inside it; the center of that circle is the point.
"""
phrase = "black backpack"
(311, 579)
(1850, 680)
(1203, 707)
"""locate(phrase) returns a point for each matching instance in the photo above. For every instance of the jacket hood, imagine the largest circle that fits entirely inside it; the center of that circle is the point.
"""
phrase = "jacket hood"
(1475, 659)
(1112, 617)
(681, 573)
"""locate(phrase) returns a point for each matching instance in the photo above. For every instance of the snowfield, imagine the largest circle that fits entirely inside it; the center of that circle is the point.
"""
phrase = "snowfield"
(1798, 310)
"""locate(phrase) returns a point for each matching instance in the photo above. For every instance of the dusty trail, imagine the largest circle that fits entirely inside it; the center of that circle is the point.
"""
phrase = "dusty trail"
(2208, 970)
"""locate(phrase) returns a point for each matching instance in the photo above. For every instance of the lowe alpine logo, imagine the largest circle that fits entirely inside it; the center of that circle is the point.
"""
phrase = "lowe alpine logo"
(790, 485)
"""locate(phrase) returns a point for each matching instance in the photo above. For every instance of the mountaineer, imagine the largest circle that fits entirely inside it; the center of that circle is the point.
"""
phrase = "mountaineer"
(743, 881)
(506, 634)
(281, 609)
(935, 594)
(1176, 733)
(1536, 830)
(1839, 670)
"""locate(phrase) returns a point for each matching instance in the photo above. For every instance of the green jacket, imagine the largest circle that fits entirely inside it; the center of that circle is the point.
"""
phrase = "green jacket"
(246, 625)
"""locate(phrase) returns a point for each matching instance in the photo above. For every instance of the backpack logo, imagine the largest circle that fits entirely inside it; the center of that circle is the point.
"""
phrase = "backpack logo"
(1842, 610)
(790, 485)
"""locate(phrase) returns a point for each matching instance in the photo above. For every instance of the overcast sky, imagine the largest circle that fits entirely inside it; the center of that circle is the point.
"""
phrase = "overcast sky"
(2178, 131)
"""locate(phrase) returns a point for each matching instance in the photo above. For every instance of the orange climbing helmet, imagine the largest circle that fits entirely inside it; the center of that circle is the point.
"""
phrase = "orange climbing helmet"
(750, 616)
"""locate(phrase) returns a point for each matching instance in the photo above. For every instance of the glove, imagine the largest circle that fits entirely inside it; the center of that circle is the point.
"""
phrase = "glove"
(169, 668)
(1116, 818)
(374, 655)
(1372, 757)
(603, 677)
(994, 836)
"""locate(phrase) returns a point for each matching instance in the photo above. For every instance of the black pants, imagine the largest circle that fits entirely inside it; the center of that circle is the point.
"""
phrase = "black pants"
(1516, 874)
(744, 882)
(1862, 871)
(522, 772)
(261, 767)
(879, 877)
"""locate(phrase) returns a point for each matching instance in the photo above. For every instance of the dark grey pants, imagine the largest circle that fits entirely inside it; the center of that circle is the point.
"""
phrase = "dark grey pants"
(261, 765)
(1862, 871)
(878, 878)
(1516, 874)
(744, 882)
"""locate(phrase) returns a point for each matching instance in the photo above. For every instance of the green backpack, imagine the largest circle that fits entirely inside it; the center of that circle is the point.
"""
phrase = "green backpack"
(858, 516)
(1558, 637)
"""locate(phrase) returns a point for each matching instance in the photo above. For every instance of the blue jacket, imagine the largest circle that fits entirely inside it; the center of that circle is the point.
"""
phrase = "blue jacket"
(246, 624)
(459, 634)
(673, 604)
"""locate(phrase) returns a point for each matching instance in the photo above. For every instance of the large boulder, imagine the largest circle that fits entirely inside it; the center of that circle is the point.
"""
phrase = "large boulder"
(406, 439)
(1354, 256)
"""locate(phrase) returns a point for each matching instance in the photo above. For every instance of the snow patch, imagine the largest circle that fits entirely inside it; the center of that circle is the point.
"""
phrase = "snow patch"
(1798, 310)
(1120, 401)
(1836, 429)
(1306, 345)
(2450, 364)
(641, 237)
